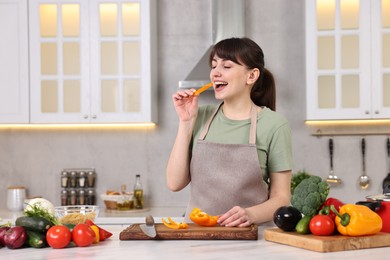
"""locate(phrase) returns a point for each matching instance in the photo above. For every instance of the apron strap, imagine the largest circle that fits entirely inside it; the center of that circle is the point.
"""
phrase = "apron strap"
(252, 133)
(208, 123)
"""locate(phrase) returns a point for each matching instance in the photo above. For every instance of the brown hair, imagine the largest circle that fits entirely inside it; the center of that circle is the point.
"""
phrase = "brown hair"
(246, 52)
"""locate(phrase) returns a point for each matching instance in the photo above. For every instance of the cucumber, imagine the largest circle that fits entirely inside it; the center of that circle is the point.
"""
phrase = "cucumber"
(303, 225)
(37, 224)
(36, 239)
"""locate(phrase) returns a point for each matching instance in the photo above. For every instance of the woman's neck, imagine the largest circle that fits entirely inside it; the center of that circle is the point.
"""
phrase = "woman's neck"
(237, 110)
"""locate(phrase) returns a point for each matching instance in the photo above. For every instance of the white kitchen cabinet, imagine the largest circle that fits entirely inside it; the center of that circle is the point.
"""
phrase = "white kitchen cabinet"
(14, 92)
(347, 59)
(92, 61)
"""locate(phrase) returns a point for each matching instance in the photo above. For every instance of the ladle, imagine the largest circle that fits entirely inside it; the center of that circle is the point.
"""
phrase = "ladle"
(364, 181)
(332, 178)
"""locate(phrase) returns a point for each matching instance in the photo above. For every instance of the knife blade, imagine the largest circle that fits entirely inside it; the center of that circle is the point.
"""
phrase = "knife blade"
(148, 228)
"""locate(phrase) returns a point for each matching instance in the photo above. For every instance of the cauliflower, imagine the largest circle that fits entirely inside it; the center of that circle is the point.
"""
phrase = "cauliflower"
(309, 195)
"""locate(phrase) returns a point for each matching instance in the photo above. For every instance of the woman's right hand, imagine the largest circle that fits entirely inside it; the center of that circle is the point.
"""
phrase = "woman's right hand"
(186, 104)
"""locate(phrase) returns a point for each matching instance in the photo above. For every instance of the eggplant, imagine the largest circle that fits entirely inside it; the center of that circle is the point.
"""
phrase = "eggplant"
(15, 237)
(2, 234)
(287, 217)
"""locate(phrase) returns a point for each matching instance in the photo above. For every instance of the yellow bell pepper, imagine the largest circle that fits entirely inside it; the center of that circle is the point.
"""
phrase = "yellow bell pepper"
(202, 218)
(357, 220)
(173, 224)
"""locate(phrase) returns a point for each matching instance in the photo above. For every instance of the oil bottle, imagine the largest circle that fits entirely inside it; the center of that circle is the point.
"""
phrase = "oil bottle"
(138, 193)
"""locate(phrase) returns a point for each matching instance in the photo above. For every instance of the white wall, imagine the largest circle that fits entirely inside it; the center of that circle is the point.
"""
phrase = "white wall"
(35, 158)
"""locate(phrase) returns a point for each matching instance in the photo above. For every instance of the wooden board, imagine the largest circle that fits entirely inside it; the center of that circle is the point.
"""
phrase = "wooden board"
(193, 232)
(326, 243)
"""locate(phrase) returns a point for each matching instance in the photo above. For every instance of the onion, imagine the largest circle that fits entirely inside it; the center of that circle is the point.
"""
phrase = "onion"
(2, 234)
(15, 237)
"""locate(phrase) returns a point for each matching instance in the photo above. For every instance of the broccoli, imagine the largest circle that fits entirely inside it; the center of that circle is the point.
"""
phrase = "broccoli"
(309, 195)
(297, 178)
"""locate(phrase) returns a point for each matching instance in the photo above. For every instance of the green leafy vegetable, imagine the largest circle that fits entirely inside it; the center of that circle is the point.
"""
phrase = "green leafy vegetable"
(35, 210)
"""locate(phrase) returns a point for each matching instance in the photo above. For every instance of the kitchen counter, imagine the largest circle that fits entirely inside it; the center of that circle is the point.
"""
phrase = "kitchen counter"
(113, 248)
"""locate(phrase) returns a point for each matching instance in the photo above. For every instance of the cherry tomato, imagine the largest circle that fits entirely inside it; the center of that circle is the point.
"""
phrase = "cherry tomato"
(83, 235)
(58, 236)
(321, 225)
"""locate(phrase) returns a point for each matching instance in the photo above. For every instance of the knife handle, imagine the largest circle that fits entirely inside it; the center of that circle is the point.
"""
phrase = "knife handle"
(149, 221)
(331, 152)
(388, 147)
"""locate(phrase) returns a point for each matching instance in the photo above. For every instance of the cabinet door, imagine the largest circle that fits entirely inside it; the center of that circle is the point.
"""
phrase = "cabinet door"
(338, 59)
(381, 58)
(14, 62)
(59, 55)
(122, 61)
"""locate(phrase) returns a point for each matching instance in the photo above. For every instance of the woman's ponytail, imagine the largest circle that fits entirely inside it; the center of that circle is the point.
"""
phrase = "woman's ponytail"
(263, 92)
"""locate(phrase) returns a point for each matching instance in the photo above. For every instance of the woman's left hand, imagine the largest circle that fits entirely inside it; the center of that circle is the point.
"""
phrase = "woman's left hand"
(235, 217)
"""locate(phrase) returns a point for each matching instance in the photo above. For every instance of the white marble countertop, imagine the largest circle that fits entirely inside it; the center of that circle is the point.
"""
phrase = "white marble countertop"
(114, 248)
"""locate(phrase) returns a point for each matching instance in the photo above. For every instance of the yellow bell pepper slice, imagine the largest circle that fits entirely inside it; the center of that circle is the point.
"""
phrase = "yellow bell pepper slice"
(173, 224)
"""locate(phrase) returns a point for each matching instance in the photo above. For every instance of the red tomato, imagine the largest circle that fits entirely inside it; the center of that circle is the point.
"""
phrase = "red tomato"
(58, 236)
(321, 225)
(83, 235)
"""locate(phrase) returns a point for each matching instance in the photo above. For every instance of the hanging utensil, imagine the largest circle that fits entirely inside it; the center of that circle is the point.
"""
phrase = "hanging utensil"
(386, 181)
(364, 181)
(332, 178)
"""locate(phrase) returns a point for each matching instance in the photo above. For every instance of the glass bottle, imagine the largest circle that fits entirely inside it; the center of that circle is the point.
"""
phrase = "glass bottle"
(138, 193)
(123, 202)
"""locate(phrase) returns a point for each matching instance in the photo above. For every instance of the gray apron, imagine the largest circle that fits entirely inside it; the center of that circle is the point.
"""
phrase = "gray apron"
(226, 175)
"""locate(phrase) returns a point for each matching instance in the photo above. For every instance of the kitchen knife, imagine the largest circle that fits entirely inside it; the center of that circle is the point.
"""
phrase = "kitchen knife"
(148, 228)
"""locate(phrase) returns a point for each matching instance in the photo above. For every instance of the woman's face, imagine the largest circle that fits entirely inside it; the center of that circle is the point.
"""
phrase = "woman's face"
(229, 78)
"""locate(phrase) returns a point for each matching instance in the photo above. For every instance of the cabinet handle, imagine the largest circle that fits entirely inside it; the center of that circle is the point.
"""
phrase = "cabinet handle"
(367, 112)
(94, 116)
(85, 116)
(376, 111)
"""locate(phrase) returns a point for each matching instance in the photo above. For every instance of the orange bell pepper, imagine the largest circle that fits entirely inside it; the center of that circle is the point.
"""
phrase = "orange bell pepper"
(202, 218)
(174, 224)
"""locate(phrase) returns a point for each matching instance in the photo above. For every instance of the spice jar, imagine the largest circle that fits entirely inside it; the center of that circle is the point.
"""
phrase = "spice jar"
(82, 180)
(72, 198)
(91, 179)
(90, 197)
(64, 179)
(64, 197)
(81, 197)
(73, 180)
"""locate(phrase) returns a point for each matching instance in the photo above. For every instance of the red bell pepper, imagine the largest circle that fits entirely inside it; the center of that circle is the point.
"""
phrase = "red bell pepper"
(325, 208)
(103, 234)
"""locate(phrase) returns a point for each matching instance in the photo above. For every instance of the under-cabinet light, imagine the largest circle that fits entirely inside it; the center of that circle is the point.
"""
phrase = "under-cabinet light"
(131, 126)
(348, 122)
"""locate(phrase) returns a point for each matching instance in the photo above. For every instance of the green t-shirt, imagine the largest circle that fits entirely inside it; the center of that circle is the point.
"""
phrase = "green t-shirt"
(273, 136)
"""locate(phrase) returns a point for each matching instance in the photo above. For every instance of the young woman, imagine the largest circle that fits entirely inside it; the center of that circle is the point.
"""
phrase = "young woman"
(237, 155)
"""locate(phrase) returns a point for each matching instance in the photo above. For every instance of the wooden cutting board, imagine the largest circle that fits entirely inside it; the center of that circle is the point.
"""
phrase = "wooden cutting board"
(326, 243)
(193, 232)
